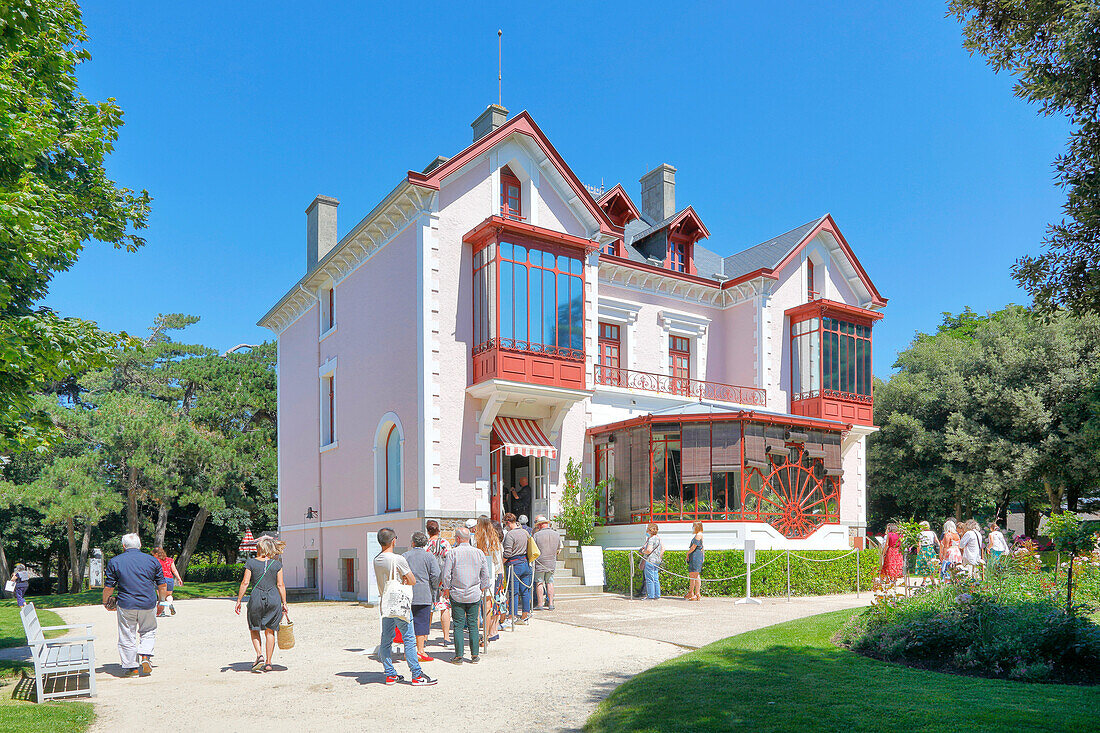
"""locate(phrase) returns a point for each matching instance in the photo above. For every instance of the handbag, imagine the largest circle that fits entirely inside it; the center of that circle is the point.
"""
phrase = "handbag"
(533, 551)
(285, 634)
(396, 597)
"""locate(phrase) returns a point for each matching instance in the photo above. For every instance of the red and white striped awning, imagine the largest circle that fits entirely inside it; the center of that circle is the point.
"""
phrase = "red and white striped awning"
(523, 437)
(248, 544)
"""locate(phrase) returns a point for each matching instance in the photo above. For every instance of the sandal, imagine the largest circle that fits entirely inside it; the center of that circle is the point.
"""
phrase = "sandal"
(268, 668)
(258, 665)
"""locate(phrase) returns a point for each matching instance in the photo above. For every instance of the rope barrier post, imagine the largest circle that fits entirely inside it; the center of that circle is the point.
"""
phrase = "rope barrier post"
(788, 575)
(857, 566)
(511, 598)
(630, 561)
(750, 558)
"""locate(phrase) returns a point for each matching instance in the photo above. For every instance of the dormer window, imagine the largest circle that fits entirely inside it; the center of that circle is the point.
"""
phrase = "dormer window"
(511, 203)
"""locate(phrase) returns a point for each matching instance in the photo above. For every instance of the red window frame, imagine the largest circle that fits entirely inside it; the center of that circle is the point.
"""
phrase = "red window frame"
(331, 307)
(679, 362)
(811, 294)
(510, 193)
(609, 354)
(349, 574)
(678, 256)
(492, 304)
(331, 410)
(609, 248)
(386, 471)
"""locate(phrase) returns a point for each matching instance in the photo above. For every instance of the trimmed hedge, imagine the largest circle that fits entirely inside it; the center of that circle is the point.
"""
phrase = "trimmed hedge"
(213, 573)
(808, 578)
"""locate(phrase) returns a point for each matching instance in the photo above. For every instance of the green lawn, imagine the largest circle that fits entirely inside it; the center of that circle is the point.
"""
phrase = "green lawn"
(20, 715)
(791, 677)
(11, 628)
(50, 717)
(94, 597)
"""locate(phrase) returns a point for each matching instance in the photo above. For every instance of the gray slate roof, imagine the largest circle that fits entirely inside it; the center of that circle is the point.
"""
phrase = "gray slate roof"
(766, 254)
(644, 236)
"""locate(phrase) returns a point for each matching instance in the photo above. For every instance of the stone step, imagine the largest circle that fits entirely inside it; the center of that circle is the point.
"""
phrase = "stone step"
(577, 590)
(301, 594)
(564, 580)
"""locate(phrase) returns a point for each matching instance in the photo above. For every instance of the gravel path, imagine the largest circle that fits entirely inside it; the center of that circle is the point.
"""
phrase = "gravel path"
(550, 675)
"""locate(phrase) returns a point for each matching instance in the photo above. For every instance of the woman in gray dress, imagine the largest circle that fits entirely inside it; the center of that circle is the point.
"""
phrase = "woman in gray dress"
(267, 600)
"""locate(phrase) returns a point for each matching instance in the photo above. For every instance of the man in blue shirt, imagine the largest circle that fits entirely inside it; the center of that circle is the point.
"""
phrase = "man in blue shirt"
(139, 579)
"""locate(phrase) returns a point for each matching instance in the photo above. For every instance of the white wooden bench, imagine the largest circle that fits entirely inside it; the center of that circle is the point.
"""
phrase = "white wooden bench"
(65, 656)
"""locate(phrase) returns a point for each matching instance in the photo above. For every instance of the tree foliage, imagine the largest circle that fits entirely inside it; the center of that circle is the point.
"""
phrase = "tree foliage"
(990, 409)
(55, 196)
(1052, 47)
(172, 440)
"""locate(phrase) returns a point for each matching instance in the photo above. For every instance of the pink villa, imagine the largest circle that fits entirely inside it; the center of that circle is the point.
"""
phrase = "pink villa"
(492, 318)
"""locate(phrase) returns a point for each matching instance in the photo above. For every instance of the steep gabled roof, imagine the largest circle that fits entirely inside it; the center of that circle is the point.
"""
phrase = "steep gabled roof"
(525, 125)
(767, 255)
(618, 205)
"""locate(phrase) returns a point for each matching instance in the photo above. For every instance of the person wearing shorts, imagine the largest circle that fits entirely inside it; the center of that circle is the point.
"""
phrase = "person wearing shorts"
(425, 567)
(549, 544)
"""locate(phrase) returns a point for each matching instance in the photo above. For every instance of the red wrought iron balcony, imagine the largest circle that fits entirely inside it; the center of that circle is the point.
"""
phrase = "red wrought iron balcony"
(694, 389)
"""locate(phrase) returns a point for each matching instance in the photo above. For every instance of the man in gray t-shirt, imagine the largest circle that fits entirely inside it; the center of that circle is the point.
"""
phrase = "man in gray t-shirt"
(549, 544)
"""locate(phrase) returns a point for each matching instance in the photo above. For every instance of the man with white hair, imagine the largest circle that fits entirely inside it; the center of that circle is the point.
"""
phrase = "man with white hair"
(465, 577)
(139, 579)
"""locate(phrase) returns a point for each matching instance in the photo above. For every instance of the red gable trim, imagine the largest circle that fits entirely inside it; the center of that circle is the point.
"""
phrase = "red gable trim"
(828, 225)
(521, 123)
(832, 308)
(687, 213)
(498, 224)
(618, 194)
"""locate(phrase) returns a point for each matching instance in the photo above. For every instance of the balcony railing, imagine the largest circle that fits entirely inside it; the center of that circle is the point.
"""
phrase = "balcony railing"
(696, 389)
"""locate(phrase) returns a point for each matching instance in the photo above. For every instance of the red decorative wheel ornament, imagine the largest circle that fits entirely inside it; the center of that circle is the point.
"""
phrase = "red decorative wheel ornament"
(795, 496)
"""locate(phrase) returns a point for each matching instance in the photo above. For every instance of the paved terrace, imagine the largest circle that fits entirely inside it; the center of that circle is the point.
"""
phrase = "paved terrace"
(550, 675)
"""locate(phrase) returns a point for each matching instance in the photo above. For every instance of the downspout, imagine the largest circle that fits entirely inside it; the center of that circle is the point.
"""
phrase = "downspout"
(320, 489)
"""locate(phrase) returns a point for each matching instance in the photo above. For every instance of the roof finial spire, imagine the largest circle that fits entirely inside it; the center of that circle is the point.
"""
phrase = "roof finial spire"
(500, 98)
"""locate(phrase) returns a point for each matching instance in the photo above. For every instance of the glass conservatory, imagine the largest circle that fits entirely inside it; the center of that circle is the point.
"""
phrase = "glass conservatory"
(708, 464)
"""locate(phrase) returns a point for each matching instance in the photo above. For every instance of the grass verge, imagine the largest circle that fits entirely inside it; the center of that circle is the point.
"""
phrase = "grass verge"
(791, 677)
(11, 627)
(49, 717)
(94, 597)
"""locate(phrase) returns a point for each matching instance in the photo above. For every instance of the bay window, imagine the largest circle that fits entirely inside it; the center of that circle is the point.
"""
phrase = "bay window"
(540, 307)
(846, 358)
(805, 359)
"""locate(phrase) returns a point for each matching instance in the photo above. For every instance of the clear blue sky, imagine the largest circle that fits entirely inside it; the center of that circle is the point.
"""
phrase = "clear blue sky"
(237, 114)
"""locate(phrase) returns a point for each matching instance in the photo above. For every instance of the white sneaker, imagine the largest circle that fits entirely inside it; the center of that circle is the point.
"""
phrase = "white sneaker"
(507, 625)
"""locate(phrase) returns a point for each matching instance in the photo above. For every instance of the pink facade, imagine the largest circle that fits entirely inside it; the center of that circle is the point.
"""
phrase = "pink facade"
(382, 421)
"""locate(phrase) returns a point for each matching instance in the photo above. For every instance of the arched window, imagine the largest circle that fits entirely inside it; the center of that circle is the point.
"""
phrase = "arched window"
(393, 470)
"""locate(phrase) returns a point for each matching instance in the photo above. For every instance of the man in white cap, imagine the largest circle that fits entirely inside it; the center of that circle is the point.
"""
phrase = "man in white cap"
(549, 544)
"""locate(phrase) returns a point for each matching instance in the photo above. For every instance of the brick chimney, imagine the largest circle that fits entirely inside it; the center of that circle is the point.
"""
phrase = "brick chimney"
(659, 192)
(493, 117)
(320, 229)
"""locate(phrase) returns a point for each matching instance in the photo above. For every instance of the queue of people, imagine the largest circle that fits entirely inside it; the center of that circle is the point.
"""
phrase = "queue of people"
(490, 572)
(487, 570)
(962, 547)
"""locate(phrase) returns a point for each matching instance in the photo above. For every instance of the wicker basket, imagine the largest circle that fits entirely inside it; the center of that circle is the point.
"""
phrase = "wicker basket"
(286, 634)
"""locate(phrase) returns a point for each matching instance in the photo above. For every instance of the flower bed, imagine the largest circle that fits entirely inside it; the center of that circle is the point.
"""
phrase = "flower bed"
(1010, 625)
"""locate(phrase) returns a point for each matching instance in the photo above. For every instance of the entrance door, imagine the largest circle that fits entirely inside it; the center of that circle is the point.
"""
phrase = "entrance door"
(311, 572)
(496, 490)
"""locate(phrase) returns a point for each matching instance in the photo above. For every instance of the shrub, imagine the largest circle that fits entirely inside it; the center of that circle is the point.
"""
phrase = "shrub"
(808, 578)
(578, 505)
(41, 586)
(990, 630)
(213, 573)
